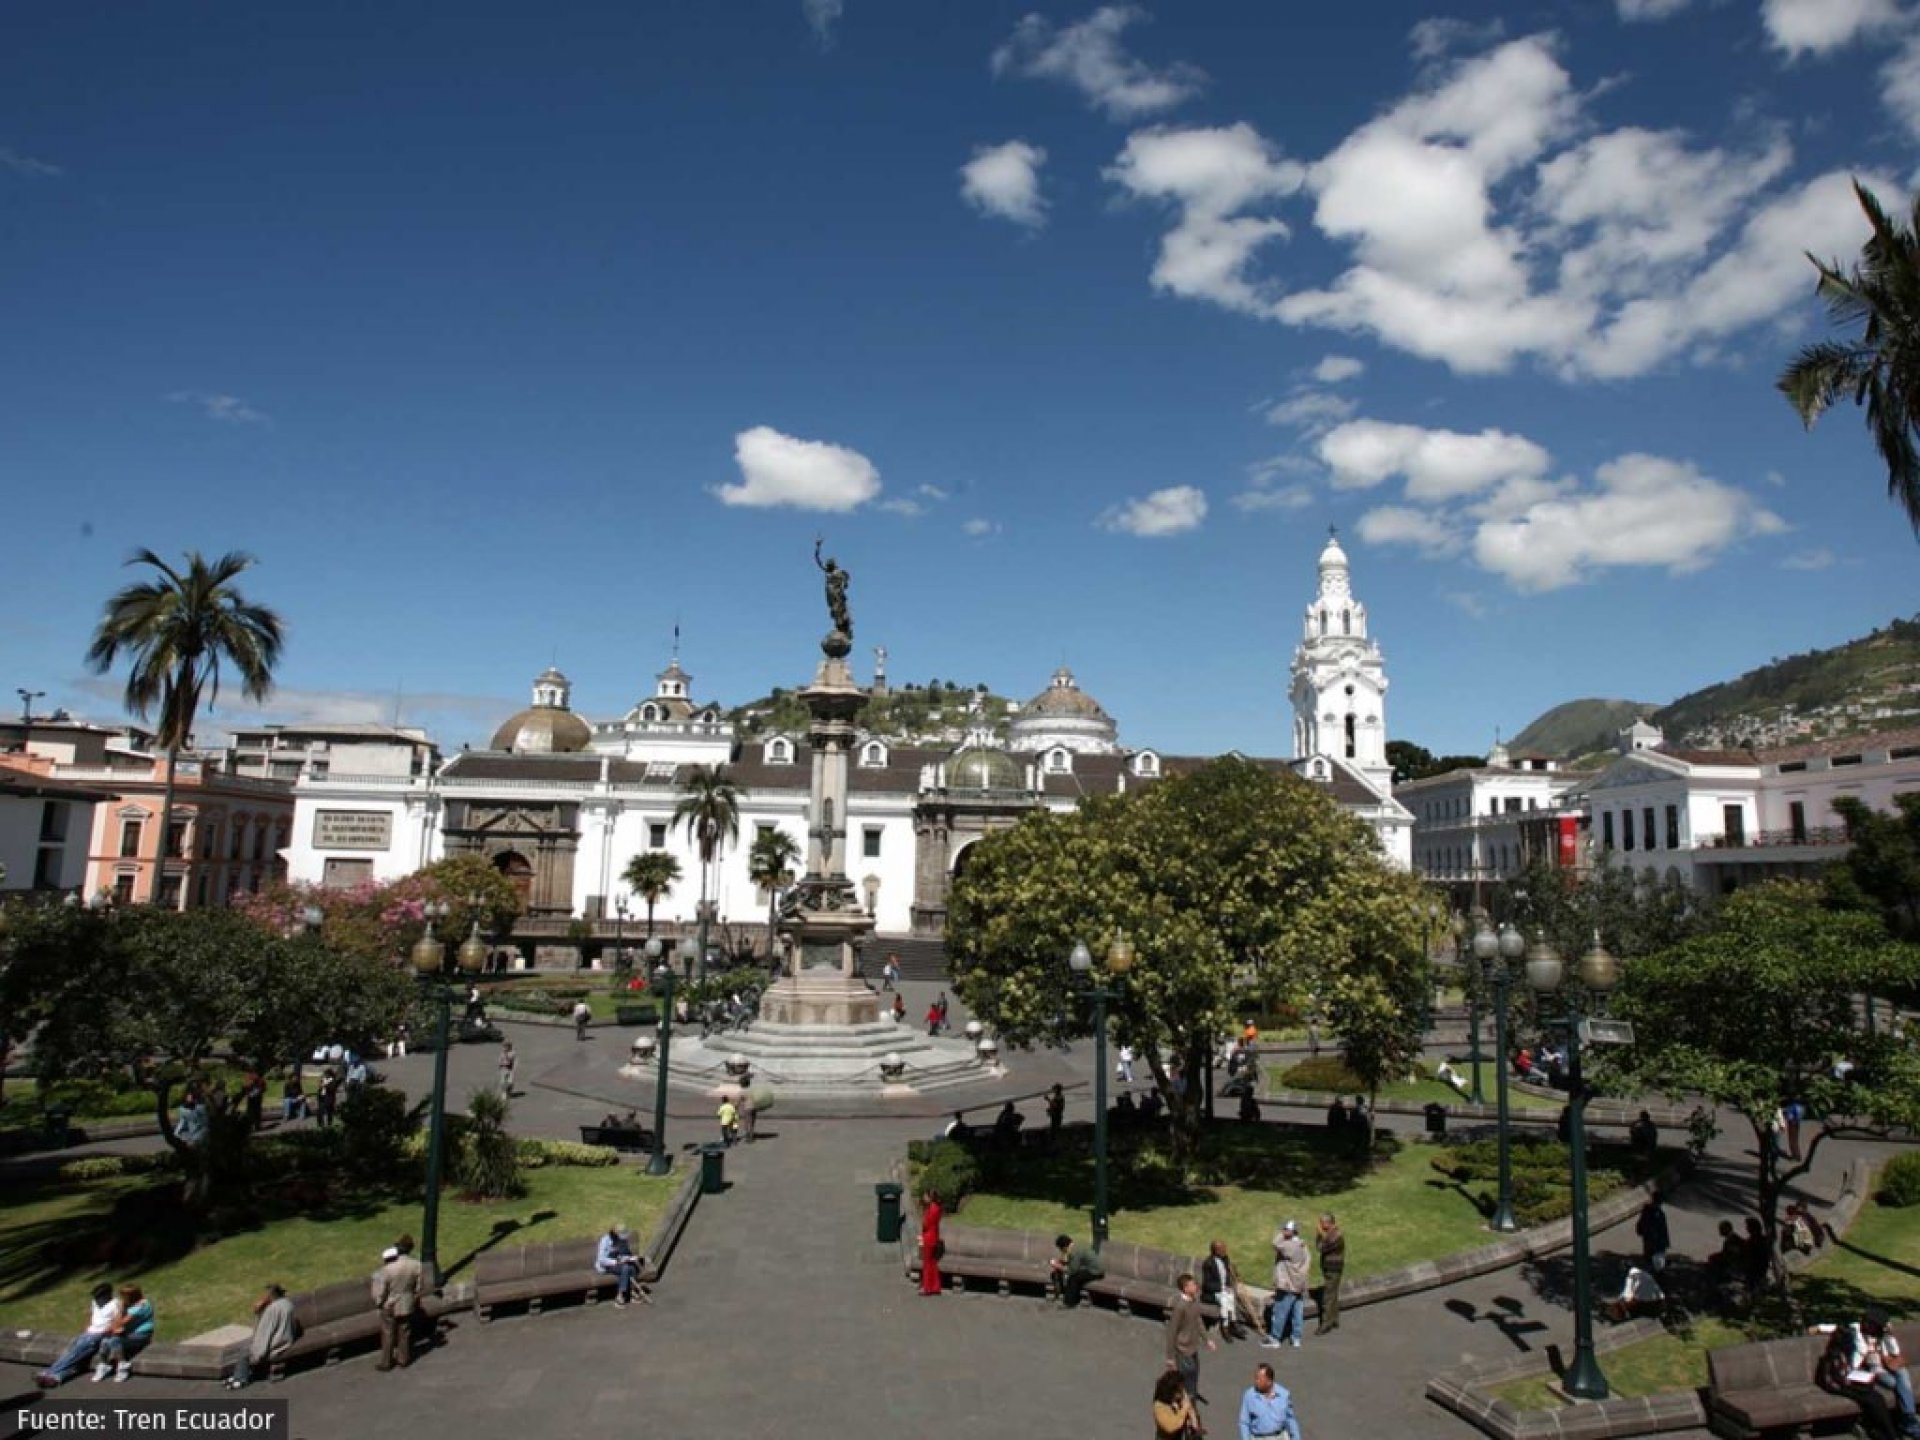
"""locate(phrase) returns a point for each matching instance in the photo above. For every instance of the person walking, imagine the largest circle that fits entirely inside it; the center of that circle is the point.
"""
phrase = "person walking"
(1173, 1414)
(1655, 1237)
(1290, 1267)
(1186, 1333)
(1123, 1067)
(582, 1017)
(1267, 1408)
(729, 1117)
(890, 975)
(506, 1067)
(930, 1217)
(1332, 1245)
(397, 1288)
(749, 1115)
(1056, 1112)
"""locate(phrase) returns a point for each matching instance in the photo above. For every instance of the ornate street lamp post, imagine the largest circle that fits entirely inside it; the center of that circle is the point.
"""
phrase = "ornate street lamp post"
(1119, 962)
(429, 964)
(661, 1161)
(1497, 954)
(619, 931)
(1471, 979)
(1599, 972)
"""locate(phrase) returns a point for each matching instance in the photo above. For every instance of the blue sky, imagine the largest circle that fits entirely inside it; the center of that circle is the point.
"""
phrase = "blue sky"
(504, 335)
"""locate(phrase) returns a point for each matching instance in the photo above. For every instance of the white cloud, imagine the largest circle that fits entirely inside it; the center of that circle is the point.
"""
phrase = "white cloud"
(1900, 85)
(1311, 411)
(227, 409)
(1443, 35)
(1406, 525)
(822, 16)
(1333, 369)
(1487, 220)
(1467, 602)
(1438, 465)
(1004, 180)
(1643, 510)
(1818, 559)
(1286, 497)
(1089, 57)
(978, 527)
(25, 164)
(1173, 511)
(1208, 174)
(1649, 9)
(778, 469)
(1819, 26)
(931, 492)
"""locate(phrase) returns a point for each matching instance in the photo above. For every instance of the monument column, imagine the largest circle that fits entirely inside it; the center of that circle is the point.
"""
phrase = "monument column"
(822, 918)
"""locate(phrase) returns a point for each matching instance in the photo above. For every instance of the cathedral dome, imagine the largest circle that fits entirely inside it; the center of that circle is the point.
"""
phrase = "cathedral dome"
(1063, 714)
(543, 730)
(548, 726)
(982, 767)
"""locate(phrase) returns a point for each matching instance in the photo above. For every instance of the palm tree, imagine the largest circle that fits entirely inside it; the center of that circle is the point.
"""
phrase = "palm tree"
(1881, 369)
(710, 813)
(770, 866)
(178, 629)
(651, 874)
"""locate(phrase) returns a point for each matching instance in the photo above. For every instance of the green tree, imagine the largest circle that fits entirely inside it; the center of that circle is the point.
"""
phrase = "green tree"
(154, 995)
(1231, 880)
(710, 814)
(1751, 1013)
(1882, 869)
(178, 628)
(475, 892)
(650, 875)
(1879, 296)
(770, 865)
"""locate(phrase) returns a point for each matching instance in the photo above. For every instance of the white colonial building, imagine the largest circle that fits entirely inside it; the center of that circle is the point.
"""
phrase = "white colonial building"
(1483, 824)
(561, 805)
(1720, 819)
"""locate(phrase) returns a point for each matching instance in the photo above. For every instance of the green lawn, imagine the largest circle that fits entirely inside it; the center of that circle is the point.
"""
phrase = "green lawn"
(1424, 1092)
(55, 1244)
(1395, 1213)
(1872, 1263)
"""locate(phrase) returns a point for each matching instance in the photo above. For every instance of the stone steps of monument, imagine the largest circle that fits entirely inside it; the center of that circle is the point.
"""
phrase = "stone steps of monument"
(921, 957)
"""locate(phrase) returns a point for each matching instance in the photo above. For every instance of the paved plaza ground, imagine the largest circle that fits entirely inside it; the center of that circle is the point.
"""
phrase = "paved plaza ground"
(780, 1315)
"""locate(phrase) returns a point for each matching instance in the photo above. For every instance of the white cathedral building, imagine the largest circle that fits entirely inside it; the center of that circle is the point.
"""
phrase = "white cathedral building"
(561, 805)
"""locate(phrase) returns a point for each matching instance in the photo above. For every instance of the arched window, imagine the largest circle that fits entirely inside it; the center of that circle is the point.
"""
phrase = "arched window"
(1056, 760)
(779, 752)
(1323, 622)
(1351, 739)
(873, 755)
(1346, 622)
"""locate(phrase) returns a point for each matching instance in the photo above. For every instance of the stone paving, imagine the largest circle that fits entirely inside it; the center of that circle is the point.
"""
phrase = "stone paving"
(780, 1315)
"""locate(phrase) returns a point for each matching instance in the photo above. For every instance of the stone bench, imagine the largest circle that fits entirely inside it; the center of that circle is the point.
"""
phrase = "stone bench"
(623, 1138)
(1002, 1258)
(40, 1348)
(1767, 1387)
(1140, 1278)
(336, 1318)
(555, 1270)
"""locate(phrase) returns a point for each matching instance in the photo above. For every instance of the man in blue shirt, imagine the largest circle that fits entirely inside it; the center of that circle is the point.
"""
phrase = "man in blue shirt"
(1266, 1408)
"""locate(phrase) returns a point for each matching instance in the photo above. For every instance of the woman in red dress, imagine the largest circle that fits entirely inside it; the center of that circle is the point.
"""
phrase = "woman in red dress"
(930, 1214)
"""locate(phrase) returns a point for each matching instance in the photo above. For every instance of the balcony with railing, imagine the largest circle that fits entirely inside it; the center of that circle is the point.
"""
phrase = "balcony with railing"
(1805, 837)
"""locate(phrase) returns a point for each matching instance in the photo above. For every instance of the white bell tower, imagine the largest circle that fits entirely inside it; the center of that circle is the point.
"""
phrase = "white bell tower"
(1339, 689)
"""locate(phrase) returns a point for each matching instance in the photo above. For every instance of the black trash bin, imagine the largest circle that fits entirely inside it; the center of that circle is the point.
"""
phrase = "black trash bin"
(887, 1217)
(58, 1128)
(1436, 1119)
(713, 1168)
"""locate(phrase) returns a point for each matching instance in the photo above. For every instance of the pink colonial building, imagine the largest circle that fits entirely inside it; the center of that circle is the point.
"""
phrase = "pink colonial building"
(229, 836)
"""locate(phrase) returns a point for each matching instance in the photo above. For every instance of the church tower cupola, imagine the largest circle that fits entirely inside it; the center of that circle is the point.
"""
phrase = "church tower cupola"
(1339, 680)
